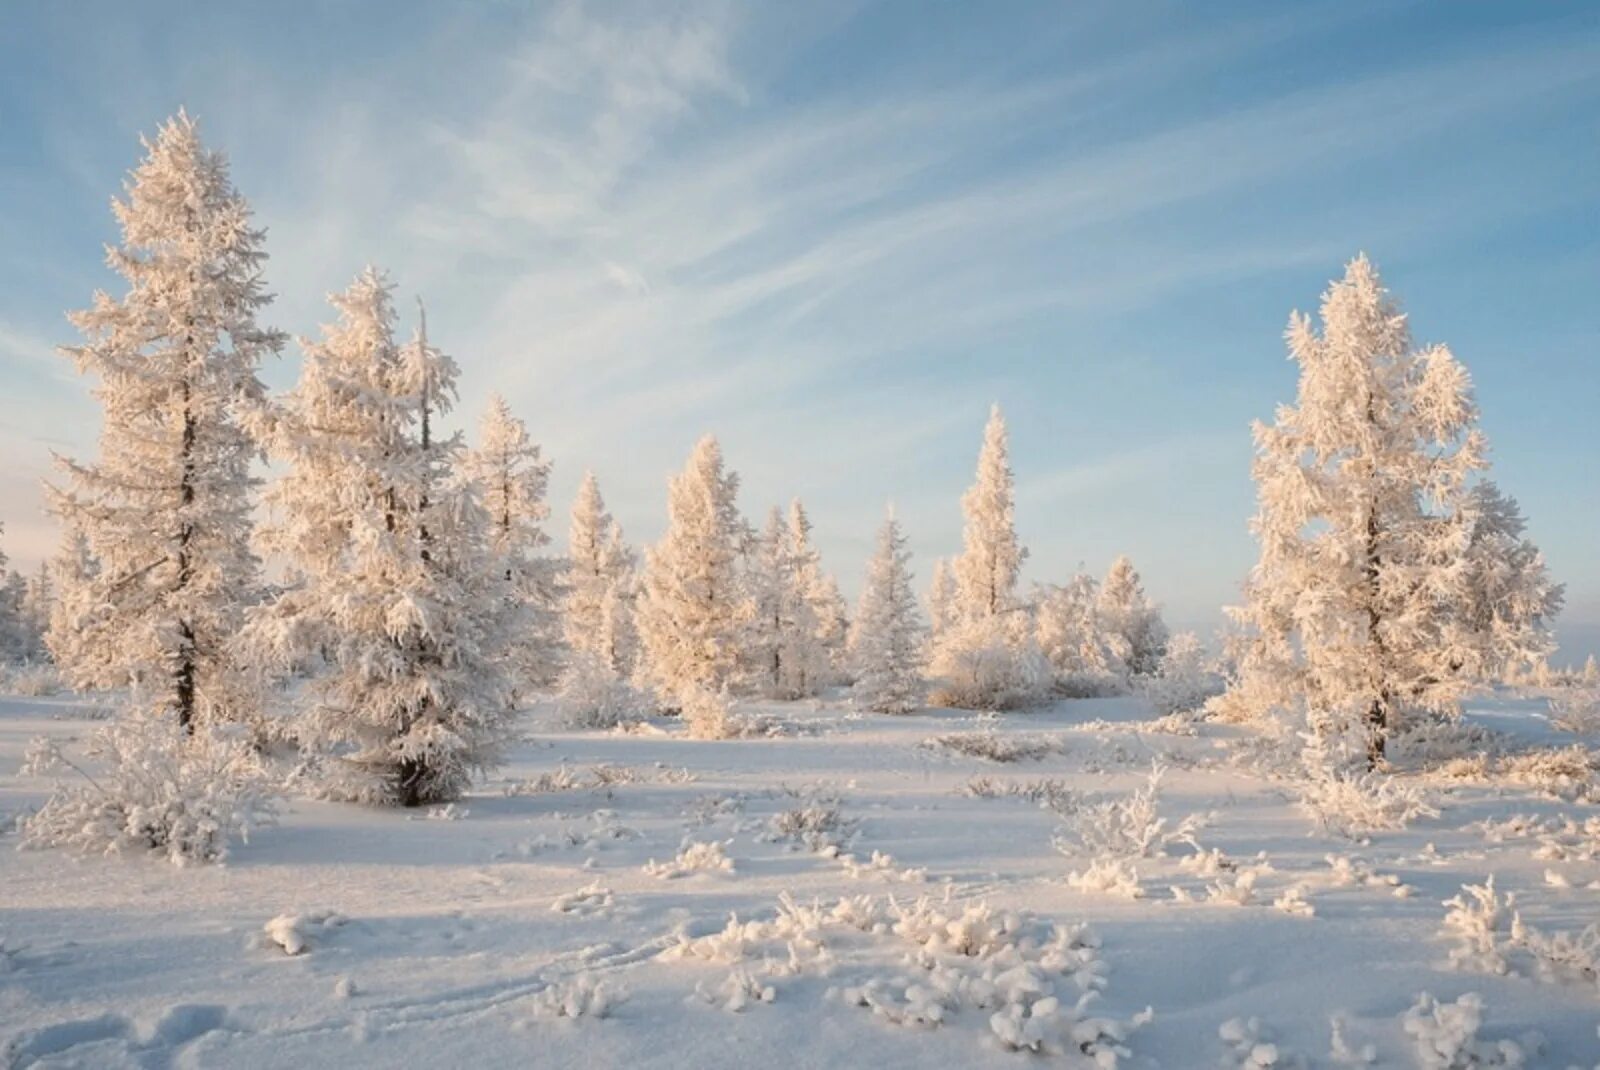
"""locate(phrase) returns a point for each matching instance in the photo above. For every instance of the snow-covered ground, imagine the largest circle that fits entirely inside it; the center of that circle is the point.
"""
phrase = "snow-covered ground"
(575, 910)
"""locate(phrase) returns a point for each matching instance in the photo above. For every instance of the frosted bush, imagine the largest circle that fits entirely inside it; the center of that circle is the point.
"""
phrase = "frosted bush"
(594, 898)
(981, 665)
(592, 694)
(1050, 793)
(739, 990)
(1182, 681)
(693, 857)
(186, 798)
(1478, 920)
(817, 825)
(1107, 876)
(582, 997)
(1248, 1045)
(707, 714)
(1353, 806)
(1492, 937)
(1127, 827)
(1444, 1036)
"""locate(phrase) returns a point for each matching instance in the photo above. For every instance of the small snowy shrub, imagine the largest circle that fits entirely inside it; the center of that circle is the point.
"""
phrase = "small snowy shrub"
(991, 746)
(817, 825)
(1126, 827)
(693, 857)
(1445, 1036)
(297, 933)
(1247, 1045)
(582, 997)
(707, 714)
(739, 990)
(34, 681)
(1182, 681)
(1107, 876)
(980, 665)
(184, 797)
(1568, 773)
(592, 694)
(1491, 937)
(1576, 710)
(1354, 805)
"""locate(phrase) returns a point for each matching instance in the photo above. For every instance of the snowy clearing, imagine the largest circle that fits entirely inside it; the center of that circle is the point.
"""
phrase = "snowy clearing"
(841, 893)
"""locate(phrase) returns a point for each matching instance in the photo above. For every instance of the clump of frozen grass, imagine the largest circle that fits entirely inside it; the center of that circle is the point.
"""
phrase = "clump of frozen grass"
(1355, 805)
(693, 857)
(1444, 1036)
(184, 797)
(582, 997)
(1576, 710)
(991, 746)
(1115, 877)
(1570, 773)
(739, 990)
(1050, 793)
(1293, 901)
(818, 824)
(1429, 742)
(1125, 827)
(295, 934)
(1340, 1051)
(592, 694)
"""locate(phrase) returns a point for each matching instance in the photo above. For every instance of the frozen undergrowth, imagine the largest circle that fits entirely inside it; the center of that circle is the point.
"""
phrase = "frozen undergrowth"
(1444, 1036)
(1111, 832)
(295, 934)
(156, 789)
(581, 997)
(1491, 937)
(990, 746)
(693, 856)
(1353, 806)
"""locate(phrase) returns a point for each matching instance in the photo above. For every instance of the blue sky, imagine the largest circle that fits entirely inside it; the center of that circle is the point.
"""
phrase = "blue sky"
(833, 232)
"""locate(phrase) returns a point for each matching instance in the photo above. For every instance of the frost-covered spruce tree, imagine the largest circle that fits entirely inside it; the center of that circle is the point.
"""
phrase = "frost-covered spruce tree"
(38, 603)
(11, 641)
(887, 636)
(1130, 620)
(597, 615)
(1085, 660)
(820, 592)
(166, 510)
(399, 586)
(511, 476)
(72, 573)
(985, 656)
(782, 650)
(691, 600)
(1510, 598)
(1352, 614)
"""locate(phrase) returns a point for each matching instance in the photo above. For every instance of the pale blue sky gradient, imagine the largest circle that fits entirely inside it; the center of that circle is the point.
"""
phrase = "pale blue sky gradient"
(833, 232)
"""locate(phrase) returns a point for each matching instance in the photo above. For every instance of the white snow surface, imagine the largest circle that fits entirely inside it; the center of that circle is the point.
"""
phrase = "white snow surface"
(531, 932)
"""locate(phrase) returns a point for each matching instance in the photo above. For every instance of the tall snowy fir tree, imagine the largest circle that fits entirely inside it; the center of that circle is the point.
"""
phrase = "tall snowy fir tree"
(72, 571)
(820, 591)
(691, 600)
(399, 587)
(887, 636)
(985, 655)
(1353, 615)
(1085, 660)
(511, 477)
(166, 509)
(782, 648)
(597, 617)
(991, 558)
(11, 625)
(1129, 620)
(942, 607)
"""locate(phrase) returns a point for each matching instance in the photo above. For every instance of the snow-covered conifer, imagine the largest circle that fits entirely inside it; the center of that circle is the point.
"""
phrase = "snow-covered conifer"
(166, 510)
(1353, 612)
(991, 558)
(1510, 598)
(941, 599)
(691, 600)
(820, 591)
(1129, 620)
(398, 584)
(511, 476)
(886, 637)
(985, 655)
(72, 571)
(598, 611)
(782, 650)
